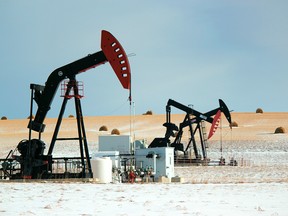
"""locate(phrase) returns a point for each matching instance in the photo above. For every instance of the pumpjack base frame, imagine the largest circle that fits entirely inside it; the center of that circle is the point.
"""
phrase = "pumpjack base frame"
(192, 162)
(62, 168)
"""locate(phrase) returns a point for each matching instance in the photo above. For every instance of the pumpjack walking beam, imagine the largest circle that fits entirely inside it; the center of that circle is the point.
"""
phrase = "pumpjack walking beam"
(112, 51)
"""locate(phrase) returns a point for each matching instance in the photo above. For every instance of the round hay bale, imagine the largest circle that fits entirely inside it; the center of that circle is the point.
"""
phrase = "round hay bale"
(115, 132)
(103, 128)
(259, 110)
(32, 117)
(279, 130)
(234, 124)
(4, 118)
(149, 112)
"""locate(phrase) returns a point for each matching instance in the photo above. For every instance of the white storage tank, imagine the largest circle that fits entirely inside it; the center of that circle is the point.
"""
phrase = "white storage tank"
(102, 169)
(113, 155)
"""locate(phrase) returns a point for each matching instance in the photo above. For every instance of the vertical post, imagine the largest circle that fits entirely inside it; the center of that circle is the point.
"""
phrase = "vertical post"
(168, 114)
(59, 120)
(81, 133)
(193, 138)
(27, 168)
(82, 137)
(31, 111)
(202, 140)
(221, 147)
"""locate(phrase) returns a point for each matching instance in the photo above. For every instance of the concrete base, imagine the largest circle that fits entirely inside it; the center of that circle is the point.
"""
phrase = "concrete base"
(163, 179)
(177, 179)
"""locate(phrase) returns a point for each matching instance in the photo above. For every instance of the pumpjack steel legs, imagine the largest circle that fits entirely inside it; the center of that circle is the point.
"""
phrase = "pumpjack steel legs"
(83, 145)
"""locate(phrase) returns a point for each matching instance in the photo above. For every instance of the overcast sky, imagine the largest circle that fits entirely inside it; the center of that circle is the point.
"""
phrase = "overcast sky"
(192, 51)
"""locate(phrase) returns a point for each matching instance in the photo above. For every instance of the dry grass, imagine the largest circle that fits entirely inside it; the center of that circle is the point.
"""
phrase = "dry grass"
(251, 126)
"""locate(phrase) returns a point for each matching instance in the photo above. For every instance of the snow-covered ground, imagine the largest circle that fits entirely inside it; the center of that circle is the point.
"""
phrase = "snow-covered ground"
(47, 198)
(248, 189)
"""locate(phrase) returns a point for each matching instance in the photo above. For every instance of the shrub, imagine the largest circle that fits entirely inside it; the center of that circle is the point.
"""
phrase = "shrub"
(279, 130)
(71, 116)
(115, 132)
(4, 118)
(259, 110)
(234, 124)
(149, 112)
(103, 128)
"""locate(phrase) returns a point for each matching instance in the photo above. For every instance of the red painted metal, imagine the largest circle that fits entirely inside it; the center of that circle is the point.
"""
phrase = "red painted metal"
(117, 58)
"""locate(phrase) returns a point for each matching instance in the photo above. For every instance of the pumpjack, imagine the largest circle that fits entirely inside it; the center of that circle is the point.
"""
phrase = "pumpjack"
(192, 117)
(34, 163)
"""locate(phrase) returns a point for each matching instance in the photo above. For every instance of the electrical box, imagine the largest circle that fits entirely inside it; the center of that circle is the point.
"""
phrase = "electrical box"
(160, 159)
(120, 143)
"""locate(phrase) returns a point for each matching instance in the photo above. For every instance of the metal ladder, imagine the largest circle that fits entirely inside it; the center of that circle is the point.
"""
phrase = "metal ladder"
(204, 133)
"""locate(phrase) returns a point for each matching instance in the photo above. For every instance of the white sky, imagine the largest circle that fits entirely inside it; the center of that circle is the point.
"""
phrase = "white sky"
(192, 51)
